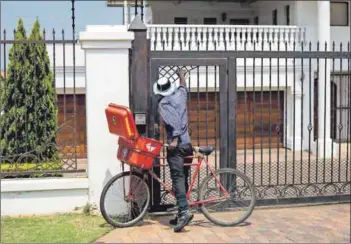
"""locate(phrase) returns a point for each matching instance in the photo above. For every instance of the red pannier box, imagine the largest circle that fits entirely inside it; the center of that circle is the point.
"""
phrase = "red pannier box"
(133, 150)
(121, 121)
(140, 152)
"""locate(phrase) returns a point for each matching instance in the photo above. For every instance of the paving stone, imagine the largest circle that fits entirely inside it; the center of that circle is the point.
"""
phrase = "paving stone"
(318, 224)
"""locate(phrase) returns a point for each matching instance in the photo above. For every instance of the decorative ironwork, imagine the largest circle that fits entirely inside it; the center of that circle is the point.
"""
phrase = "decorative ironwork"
(278, 142)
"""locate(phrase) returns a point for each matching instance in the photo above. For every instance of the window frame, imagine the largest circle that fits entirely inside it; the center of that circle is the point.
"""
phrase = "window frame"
(183, 18)
(234, 19)
(287, 15)
(347, 14)
(210, 18)
(275, 17)
(256, 20)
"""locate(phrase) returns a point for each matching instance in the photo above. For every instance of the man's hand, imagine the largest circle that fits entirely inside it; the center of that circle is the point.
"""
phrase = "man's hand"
(181, 74)
(174, 143)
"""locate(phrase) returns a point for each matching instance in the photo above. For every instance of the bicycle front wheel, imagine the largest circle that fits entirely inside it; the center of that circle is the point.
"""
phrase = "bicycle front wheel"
(228, 197)
(125, 199)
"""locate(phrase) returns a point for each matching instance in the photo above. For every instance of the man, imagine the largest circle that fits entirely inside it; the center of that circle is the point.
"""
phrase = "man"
(172, 109)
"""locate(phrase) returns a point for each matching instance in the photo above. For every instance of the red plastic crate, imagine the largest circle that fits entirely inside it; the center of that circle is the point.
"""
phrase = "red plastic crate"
(140, 152)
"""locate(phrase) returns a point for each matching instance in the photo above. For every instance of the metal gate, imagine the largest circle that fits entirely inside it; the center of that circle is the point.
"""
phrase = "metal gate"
(257, 109)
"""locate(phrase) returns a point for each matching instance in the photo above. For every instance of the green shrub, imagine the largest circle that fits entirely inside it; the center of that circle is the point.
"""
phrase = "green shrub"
(28, 100)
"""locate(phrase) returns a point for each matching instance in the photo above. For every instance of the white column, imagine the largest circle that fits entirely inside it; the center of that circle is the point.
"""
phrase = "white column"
(107, 81)
(147, 13)
(323, 9)
(294, 121)
(125, 13)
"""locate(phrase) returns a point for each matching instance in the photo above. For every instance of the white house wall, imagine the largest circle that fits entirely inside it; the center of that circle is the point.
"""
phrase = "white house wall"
(264, 10)
(62, 59)
(308, 18)
(163, 12)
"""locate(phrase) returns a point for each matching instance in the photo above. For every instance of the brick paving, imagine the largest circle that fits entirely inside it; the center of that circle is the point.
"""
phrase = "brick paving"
(307, 224)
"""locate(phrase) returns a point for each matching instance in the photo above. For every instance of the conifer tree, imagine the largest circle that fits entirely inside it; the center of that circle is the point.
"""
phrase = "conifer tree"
(29, 121)
(13, 98)
(43, 96)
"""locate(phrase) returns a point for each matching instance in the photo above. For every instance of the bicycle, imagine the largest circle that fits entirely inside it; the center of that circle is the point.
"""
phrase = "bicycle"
(138, 198)
(140, 152)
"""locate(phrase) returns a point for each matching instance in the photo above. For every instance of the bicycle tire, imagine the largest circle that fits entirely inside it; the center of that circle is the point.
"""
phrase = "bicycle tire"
(103, 198)
(203, 188)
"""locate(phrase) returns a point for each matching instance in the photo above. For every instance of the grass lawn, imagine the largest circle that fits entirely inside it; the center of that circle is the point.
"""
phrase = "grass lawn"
(65, 228)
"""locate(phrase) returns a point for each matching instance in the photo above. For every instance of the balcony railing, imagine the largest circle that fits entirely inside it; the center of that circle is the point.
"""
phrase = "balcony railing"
(224, 37)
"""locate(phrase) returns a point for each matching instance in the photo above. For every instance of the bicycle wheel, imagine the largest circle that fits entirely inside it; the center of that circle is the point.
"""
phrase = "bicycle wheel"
(230, 210)
(117, 206)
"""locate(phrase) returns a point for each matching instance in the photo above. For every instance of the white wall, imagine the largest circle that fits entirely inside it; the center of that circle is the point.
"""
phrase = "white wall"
(341, 33)
(264, 9)
(42, 196)
(62, 57)
(163, 12)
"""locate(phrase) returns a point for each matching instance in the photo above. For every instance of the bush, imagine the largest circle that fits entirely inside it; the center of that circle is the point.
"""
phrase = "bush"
(28, 100)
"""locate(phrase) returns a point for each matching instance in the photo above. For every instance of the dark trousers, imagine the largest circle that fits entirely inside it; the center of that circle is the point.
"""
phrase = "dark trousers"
(180, 173)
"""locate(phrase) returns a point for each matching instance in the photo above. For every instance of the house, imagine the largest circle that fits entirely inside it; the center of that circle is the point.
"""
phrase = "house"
(237, 25)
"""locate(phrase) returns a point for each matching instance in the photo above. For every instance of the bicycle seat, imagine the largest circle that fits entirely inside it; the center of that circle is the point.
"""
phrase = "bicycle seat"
(206, 150)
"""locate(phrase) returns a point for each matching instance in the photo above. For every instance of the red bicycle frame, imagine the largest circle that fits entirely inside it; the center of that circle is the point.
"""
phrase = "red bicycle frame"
(200, 160)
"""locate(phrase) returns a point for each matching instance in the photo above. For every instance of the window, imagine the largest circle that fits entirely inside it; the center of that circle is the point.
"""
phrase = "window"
(180, 20)
(256, 20)
(210, 21)
(287, 15)
(339, 13)
(239, 21)
(275, 17)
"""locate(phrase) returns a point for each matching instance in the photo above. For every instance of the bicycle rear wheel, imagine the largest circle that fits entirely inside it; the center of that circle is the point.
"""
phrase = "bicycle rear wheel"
(125, 199)
(233, 209)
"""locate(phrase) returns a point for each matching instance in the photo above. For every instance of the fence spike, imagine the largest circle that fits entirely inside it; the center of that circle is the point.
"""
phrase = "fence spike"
(333, 45)
(310, 46)
(340, 46)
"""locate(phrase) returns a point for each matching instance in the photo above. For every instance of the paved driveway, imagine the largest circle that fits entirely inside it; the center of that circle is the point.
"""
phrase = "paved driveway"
(322, 224)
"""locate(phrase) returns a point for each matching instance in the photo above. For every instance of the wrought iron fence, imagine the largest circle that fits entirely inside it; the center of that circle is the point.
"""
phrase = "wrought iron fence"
(42, 105)
(287, 113)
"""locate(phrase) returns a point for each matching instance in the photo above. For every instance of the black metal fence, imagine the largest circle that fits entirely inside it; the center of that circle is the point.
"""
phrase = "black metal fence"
(281, 117)
(42, 107)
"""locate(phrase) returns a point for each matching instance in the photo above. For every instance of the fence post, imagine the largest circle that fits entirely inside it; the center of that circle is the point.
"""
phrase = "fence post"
(139, 79)
(107, 81)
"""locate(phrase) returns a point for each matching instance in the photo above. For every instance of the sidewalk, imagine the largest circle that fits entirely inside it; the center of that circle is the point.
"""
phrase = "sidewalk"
(320, 224)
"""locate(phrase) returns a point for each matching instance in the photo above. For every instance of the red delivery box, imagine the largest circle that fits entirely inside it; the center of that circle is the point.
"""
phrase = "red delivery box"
(121, 121)
(140, 152)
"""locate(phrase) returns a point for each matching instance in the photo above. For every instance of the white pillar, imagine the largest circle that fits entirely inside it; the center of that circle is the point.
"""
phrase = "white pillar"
(324, 142)
(107, 81)
(294, 120)
(147, 13)
(125, 13)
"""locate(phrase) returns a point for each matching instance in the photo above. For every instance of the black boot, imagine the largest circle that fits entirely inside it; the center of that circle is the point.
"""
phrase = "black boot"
(183, 220)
